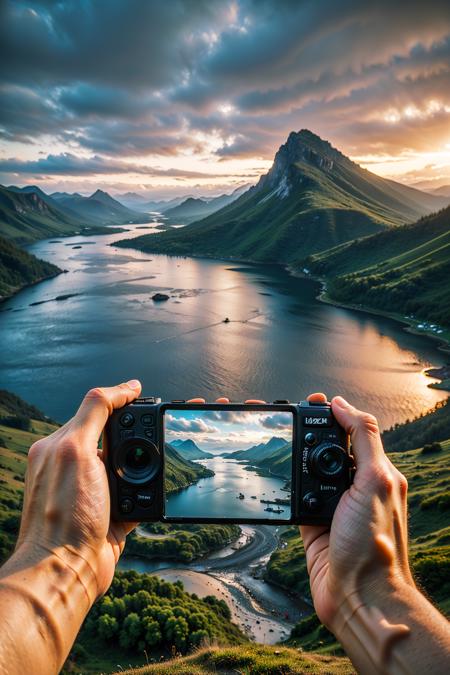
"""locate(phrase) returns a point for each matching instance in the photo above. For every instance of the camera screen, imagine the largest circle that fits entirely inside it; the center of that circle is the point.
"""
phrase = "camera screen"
(228, 464)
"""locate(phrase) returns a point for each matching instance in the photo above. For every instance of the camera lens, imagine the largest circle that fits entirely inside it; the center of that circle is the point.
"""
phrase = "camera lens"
(328, 460)
(137, 460)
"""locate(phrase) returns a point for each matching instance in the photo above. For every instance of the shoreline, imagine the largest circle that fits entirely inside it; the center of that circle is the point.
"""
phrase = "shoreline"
(408, 324)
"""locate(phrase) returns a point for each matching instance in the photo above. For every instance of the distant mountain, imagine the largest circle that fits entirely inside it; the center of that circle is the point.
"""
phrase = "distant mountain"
(443, 191)
(25, 216)
(196, 208)
(181, 472)
(189, 449)
(19, 268)
(312, 198)
(100, 208)
(258, 452)
(402, 270)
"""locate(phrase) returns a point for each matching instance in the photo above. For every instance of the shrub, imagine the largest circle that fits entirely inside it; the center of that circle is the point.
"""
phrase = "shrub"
(431, 448)
(439, 501)
(16, 422)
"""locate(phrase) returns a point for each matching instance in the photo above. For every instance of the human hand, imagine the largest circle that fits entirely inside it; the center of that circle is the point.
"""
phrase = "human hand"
(66, 510)
(366, 548)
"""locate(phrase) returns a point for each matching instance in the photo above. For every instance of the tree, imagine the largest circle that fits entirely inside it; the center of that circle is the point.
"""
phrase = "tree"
(131, 631)
(107, 626)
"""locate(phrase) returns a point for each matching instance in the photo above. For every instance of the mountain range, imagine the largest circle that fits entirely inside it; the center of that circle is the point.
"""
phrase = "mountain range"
(100, 208)
(313, 198)
(188, 449)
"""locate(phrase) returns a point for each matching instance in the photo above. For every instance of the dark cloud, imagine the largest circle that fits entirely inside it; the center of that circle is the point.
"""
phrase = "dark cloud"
(279, 421)
(141, 79)
(68, 164)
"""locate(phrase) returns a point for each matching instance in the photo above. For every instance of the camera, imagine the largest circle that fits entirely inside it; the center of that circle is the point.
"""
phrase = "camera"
(178, 462)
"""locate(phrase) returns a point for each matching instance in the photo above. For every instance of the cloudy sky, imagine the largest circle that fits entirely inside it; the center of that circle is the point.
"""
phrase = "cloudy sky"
(195, 96)
(221, 430)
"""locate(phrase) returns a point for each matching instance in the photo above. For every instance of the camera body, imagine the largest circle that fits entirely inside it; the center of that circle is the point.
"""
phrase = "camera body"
(317, 467)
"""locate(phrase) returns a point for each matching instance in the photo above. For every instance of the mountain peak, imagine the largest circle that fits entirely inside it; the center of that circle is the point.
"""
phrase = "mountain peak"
(301, 146)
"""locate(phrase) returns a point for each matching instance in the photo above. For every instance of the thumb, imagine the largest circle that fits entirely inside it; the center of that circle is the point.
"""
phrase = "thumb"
(99, 403)
(363, 429)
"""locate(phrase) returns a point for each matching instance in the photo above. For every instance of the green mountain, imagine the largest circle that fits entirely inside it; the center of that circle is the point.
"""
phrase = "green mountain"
(19, 269)
(189, 449)
(100, 208)
(26, 217)
(401, 270)
(258, 452)
(313, 198)
(181, 472)
(279, 463)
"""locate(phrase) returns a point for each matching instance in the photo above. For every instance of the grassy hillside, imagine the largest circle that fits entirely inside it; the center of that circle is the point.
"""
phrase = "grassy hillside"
(25, 217)
(19, 268)
(249, 660)
(313, 198)
(430, 427)
(402, 270)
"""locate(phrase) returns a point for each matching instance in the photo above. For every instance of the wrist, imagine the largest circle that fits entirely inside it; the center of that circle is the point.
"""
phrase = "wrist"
(372, 621)
(54, 590)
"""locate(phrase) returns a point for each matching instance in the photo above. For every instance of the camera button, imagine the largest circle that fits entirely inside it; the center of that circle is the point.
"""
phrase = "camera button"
(147, 420)
(311, 501)
(144, 499)
(126, 505)
(149, 433)
(310, 438)
(127, 419)
(126, 433)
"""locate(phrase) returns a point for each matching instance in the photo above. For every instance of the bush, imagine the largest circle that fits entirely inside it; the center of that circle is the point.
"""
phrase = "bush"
(16, 422)
(431, 448)
(439, 501)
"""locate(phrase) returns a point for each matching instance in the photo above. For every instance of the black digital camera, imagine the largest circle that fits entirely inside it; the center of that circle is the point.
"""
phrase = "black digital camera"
(178, 462)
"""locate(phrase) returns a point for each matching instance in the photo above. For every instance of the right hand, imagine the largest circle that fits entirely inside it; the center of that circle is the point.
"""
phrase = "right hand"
(366, 547)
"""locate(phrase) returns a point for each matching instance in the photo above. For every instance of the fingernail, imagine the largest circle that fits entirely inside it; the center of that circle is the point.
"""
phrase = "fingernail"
(341, 402)
(134, 384)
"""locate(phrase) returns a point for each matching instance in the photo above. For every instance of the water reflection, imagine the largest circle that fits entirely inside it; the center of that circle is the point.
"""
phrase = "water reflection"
(280, 342)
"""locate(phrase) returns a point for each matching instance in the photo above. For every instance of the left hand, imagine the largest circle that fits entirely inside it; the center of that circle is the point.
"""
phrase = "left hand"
(66, 509)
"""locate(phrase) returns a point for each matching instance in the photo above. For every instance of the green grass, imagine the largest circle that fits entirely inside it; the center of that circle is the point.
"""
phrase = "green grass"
(249, 660)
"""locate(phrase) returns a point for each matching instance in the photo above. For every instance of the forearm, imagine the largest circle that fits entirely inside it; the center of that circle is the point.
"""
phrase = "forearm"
(395, 631)
(44, 600)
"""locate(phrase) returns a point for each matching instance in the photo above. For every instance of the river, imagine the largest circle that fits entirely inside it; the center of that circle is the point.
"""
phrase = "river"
(218, 496)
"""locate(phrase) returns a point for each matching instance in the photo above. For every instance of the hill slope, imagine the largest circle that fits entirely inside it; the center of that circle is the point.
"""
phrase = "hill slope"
(19, 269)
(25, 216)
(258, 452)
(404, 270)
(313, 198)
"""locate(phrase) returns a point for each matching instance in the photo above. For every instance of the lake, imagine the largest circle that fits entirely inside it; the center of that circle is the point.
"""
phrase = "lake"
(218, 496)
(280, 341)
